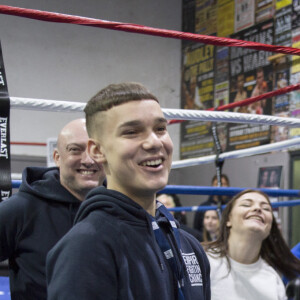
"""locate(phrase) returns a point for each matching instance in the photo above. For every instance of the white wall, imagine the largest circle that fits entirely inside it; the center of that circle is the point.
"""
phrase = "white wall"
(71, 62)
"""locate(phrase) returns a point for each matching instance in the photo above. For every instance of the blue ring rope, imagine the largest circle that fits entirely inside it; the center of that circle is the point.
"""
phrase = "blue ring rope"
(229, 191)
(210, 190)
(204, 190)
(214, 207)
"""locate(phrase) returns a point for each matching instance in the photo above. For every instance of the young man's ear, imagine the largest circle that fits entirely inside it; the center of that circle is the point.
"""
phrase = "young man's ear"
(56, 157)
(95, 151)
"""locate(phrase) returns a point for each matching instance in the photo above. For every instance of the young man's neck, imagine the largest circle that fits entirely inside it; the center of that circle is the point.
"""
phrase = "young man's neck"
(145, 200)
(148, 203)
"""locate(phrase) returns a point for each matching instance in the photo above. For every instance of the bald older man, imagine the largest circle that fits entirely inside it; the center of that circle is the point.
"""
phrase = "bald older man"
(43, 210)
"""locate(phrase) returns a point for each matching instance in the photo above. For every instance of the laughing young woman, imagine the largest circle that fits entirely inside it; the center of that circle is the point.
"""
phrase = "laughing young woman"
(250, 252)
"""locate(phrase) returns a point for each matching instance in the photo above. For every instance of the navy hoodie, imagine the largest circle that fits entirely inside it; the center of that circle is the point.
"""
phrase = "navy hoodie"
(111, 253)
(31, 222)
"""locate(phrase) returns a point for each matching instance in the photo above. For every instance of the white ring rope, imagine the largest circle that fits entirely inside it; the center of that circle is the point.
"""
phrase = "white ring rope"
(229, 117)
(16, 176)
(46, 105)
(180, 114)
(236, 154)
(217, 116)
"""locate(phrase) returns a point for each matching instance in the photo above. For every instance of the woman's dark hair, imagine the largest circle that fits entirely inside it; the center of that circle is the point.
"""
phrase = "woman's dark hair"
(274, 249)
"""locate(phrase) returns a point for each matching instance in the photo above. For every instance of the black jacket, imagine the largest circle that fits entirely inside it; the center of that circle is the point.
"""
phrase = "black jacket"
(31, 222)
(111, 254)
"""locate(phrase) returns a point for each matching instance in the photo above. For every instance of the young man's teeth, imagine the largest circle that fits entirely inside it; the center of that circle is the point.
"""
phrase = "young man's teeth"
(86, 172)
(152, 162)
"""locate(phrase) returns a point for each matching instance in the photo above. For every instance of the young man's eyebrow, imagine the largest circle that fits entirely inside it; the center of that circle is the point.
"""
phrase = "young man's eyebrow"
(139, 123)
(161, 120)
(131, 123)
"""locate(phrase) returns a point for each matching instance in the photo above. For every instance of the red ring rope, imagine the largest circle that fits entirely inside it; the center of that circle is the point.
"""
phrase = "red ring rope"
(206, 39)
(212, 40)
(28, 143)
(248, 101)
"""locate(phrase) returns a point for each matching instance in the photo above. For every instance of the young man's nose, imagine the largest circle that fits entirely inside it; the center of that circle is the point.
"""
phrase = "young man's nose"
(152, 141)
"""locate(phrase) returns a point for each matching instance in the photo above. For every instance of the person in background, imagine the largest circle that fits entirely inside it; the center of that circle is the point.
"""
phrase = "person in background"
(264, 179)
(274, 181)
(212, 200)
(125, 244)
(172, 200)
(211, 225)
(43, 210)
(249, 252)
(241, 94)
(260, 88)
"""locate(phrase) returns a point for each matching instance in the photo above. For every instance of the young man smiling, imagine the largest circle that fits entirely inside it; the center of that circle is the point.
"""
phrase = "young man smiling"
(125, 245)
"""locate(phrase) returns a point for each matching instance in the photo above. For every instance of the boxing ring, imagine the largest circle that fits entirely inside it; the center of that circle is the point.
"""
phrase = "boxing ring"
(177, 115)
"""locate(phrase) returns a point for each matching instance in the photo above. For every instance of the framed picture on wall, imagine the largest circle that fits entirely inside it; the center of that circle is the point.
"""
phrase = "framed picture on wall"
(269, 177)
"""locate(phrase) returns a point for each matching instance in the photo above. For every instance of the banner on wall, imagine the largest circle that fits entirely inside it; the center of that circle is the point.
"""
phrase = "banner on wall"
(295, 79)
(5, 173)
(282, 36)
(296, 18)
(206, 17)
(295, 68)
(282, 3)
(221, 89)
(221, 76)
(264, 10)
(225, 18)
(251, 74)
(197, 93)
(244, 14)
(283, 26)
(188, 15)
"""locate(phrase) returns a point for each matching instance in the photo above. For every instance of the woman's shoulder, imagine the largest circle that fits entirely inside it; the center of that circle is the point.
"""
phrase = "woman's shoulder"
(215, 258)
(269, 269)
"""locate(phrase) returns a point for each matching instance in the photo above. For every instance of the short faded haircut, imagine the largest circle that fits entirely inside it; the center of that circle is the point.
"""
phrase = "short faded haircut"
(114, 95)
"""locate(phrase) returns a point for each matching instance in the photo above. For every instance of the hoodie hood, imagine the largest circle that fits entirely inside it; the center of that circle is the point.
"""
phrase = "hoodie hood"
(113, 203)
(44, 183)
(121, 208)
(118, 205)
